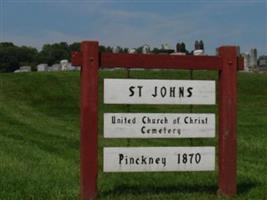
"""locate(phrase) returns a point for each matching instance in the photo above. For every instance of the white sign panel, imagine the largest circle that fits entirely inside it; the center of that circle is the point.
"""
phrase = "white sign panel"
(158, 125)
(145, 91)
(151, 159)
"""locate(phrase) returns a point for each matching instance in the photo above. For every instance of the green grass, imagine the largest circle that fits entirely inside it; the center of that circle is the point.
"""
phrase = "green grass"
(39, 141)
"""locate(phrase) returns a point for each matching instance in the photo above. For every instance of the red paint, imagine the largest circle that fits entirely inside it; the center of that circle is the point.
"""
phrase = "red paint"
(240, 63)
(76, 58)
(89, 97)
(227, 63)
(152, 61)
(227, 121)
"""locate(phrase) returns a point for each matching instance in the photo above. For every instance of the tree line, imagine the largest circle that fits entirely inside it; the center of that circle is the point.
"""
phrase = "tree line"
(13, 56)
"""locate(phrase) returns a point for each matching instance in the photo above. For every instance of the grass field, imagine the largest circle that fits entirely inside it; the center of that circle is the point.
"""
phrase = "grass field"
(39, 141)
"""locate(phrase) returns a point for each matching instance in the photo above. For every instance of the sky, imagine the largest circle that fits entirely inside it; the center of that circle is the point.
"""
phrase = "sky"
(132, 23)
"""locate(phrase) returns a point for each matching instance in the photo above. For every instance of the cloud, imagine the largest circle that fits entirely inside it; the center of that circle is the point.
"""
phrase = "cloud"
(132, 25)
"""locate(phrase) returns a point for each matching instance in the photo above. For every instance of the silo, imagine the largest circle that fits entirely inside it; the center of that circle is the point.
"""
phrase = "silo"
(253, 57)
(145, 49)
(246, 61)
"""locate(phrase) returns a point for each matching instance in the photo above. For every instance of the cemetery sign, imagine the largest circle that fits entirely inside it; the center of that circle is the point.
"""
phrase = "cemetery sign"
(140, 91)
(159, 125)
(152, 159)
(147, 125)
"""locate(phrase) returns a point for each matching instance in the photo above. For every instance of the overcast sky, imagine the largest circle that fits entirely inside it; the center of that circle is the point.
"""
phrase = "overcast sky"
(132, 23)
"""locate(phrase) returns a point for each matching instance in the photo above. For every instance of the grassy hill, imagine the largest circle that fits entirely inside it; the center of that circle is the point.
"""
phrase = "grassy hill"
(39, 141)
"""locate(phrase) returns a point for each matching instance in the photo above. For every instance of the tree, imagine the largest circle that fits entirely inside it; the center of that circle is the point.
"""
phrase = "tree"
(6, 44)
(74, 46)
(183, 47)
(12, 56)
(53, 53)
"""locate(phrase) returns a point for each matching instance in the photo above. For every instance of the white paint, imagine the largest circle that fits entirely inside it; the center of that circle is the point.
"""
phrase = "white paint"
(159, 125)
(119, 91)
(162, 159)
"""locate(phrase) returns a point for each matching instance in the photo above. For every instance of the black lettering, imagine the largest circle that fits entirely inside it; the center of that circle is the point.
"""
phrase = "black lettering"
(181, 91)
(186, 120)
(191, 155)
(143, 120)
(164, 161)
(140, 90)
(189, 90)
(113, 120)
(150, 160)
(131, 90)
(155, 92)
(163, 91)
(143, 129)
(131, 160)
(172, 91)
(120, 158)
(197, 157)
(143, 160)
(184, 158)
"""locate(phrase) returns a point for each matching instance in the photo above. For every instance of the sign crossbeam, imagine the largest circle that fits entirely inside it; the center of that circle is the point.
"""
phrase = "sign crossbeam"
(119, 60)
(110, 60)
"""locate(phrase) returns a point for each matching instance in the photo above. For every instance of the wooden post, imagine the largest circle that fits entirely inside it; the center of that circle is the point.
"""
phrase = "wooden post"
(227, 121)
(227, 62)
(88, 140)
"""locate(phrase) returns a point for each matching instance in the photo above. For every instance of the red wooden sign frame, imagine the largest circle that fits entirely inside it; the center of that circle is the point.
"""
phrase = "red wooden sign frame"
(227, 62)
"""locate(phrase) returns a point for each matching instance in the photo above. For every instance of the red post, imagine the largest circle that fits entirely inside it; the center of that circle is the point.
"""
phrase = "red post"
(227, 121)
(88, 140)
